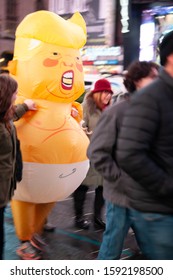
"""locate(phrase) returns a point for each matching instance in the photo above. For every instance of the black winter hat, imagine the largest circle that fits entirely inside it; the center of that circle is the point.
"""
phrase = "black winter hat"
(166, 47)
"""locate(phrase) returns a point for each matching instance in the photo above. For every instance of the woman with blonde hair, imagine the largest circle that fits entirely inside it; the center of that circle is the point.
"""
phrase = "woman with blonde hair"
(95, 102)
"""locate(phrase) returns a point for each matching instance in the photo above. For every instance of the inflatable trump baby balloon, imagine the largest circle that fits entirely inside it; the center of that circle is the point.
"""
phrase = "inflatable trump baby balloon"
(48, 68)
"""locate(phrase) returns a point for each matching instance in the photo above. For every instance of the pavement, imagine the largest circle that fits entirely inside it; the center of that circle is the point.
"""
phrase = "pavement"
(68, 242)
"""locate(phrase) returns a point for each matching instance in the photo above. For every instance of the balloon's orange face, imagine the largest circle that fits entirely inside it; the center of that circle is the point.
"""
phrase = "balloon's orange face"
(52, 73)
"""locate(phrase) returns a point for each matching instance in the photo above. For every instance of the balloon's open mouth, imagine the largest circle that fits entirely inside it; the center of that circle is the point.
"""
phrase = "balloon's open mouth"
(67, 80)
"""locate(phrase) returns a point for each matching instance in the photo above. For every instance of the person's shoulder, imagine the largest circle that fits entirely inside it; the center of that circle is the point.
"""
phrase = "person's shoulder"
(2, 132)
(116, 110)
(2, 126)
(120, 106)
(150, 91)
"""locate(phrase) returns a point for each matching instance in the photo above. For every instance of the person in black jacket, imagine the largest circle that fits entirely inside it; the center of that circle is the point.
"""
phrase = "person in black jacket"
(145, 153)
(101, 152)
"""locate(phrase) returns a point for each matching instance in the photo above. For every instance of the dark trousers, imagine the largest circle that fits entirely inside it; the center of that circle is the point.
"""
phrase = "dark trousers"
(79, 196)
(1, 232)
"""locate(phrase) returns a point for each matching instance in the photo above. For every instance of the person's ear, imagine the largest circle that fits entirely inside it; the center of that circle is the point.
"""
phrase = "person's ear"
(170, 58)
(138, 84)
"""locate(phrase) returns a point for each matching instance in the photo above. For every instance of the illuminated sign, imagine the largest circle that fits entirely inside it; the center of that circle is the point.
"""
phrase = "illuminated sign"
(101, 55)
(124, 4)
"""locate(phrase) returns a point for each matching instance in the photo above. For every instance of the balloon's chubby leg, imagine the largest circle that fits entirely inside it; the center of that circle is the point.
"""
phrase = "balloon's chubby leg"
(29, 218)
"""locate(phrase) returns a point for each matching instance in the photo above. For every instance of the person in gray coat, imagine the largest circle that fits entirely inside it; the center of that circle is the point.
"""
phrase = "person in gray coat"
(95, 102)
(102, 155)
(145, 152)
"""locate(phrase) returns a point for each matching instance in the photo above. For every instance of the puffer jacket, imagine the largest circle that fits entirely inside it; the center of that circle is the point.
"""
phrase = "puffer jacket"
(101, 152)
(145, 147)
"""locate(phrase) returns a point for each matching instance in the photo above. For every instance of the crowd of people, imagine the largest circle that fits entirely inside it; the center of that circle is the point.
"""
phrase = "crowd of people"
(130, 153)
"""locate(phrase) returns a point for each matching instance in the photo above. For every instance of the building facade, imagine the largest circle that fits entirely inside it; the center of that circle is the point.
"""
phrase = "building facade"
(11, 14)
(109, 23)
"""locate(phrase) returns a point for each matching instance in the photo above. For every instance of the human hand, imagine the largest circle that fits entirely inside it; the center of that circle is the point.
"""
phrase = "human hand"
(30, 104)
(74, 112)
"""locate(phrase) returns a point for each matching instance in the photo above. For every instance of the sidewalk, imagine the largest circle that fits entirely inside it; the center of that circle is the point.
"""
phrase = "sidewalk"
(67, 242)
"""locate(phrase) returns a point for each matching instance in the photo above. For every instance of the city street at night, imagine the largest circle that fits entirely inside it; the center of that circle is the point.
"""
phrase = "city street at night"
(68, 242)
